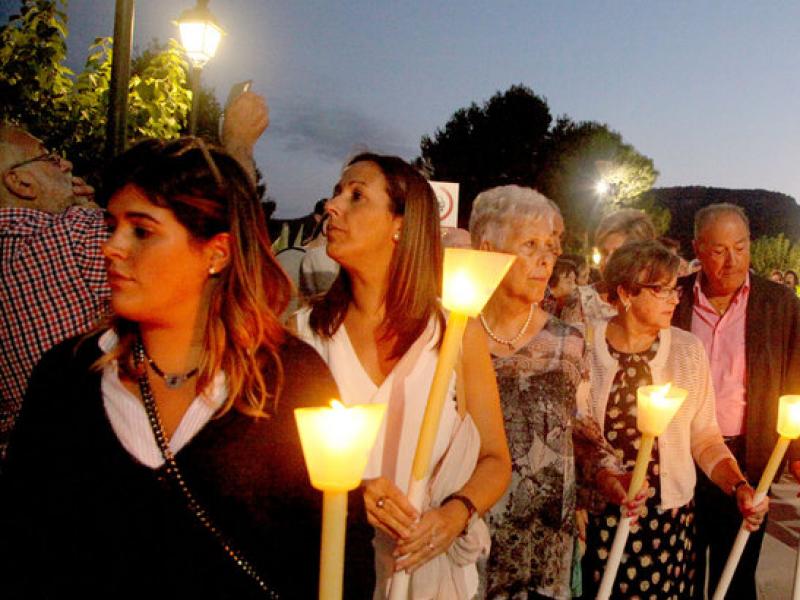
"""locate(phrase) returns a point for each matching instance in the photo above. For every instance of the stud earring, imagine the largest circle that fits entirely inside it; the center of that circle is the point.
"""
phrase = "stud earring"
(212, 271)
(396, 236)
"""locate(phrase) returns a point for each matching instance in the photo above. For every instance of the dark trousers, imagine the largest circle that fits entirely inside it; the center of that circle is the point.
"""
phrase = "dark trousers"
(718, 520)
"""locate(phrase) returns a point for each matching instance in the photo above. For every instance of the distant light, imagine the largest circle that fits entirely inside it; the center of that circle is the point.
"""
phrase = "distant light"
(602, 187)
(596, 257)
(200, 33)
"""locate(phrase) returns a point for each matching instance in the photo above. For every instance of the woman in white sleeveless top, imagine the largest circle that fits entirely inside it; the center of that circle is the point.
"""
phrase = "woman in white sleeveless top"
(379, 328)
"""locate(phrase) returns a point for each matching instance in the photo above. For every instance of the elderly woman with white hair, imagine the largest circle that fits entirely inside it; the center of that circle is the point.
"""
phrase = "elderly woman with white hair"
(539, 364)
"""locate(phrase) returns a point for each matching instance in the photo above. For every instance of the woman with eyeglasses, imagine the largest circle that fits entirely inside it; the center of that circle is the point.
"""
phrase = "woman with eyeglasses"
(159, 456)
(638, 347)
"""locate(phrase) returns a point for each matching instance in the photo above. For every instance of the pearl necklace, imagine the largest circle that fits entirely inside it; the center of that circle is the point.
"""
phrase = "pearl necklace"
(510, 343)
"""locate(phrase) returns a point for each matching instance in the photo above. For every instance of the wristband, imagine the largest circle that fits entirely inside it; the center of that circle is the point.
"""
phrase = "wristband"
(472, 512)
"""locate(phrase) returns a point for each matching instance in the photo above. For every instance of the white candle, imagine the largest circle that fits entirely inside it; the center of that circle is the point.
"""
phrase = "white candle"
(656, 405)
(470, 277)
(788, 428)
(336, 444)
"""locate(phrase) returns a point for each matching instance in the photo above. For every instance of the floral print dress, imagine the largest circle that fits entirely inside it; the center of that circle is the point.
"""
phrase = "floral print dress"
(659, 561)
(533, 525)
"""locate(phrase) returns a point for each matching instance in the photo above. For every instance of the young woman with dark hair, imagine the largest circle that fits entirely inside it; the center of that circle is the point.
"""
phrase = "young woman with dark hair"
(159, 455)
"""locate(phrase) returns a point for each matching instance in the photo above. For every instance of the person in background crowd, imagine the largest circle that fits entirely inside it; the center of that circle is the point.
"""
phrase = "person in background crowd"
(538, 362)
(53, 283)
(317, 270)
(674, 246)
(313, 227)
(750, 328)
(454, 237)
(168, 439)
(562, 283)
(379, 328)
(790, 280)
(589, 303)
(776, 275)
(582, 266)
(638, 347)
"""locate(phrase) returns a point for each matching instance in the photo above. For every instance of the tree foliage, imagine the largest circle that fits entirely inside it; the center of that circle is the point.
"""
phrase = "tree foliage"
(494, 144)
(512, 139)
(69, 111)
(774, 252)
(576, 158)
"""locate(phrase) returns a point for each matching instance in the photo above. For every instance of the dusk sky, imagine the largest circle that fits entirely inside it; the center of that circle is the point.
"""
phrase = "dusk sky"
(708, 90)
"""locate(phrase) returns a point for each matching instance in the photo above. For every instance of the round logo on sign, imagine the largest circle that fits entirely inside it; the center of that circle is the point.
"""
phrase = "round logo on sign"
(445, 200)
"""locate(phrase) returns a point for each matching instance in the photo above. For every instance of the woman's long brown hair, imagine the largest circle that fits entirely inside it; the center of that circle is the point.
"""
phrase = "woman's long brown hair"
(210, 193)
(415, 270)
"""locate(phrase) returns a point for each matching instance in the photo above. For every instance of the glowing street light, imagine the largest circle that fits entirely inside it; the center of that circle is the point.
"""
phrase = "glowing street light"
(200, 36)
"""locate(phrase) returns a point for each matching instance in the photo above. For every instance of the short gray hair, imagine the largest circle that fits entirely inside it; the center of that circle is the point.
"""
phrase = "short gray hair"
(633, 223)
(496, 211)
(711, 212)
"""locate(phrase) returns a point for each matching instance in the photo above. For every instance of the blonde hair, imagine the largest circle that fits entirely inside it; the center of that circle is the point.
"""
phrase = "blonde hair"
(633, 223)
(209, 193)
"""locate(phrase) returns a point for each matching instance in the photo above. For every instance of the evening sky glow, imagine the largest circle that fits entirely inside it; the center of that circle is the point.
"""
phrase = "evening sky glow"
(708, 90)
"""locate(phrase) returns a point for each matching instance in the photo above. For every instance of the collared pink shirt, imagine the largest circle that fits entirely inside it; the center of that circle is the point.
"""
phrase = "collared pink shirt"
(724, 341)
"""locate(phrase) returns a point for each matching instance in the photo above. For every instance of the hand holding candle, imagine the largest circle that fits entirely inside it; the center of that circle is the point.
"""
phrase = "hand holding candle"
(788, 429)
(336, 444)
(655, 407)
(470, 277)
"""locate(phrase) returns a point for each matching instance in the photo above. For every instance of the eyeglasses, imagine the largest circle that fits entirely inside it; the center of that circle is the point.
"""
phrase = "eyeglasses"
(53, 158)
(663, 292)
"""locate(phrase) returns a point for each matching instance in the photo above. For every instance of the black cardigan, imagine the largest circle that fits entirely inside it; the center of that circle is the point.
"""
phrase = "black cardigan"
(772, 350)
(81, 517)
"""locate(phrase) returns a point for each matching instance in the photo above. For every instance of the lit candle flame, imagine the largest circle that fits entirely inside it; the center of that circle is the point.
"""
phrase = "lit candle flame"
(660, 393)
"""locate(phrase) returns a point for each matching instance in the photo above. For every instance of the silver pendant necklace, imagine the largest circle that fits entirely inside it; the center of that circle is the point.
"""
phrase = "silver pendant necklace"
(172, 380)
(511, 342)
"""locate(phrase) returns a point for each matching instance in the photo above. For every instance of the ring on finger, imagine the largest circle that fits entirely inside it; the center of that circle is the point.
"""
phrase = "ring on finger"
(380, 502)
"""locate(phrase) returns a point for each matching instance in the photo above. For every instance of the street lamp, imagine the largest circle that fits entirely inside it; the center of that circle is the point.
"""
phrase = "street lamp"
(200, 36)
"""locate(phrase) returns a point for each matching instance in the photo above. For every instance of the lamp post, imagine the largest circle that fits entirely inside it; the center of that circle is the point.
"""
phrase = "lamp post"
(117, 126)
(200, 36)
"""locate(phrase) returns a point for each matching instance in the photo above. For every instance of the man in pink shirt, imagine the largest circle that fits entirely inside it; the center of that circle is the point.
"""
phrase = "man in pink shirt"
(750, 328)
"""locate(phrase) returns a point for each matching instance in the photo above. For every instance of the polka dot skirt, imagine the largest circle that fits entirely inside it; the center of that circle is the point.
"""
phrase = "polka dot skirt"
(659, 558)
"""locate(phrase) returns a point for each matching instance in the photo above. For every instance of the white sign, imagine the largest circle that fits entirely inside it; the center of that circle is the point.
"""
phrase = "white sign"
(447, 195)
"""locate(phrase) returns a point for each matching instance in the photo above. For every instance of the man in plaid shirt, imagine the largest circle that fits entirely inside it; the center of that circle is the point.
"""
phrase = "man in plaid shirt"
(53, 279)
(53, 283)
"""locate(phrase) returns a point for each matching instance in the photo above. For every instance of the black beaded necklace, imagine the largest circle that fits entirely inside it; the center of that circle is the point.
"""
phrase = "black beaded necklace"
(172, 380)
(139, 357)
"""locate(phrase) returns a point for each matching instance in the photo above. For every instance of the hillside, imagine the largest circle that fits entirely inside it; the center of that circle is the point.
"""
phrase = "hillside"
(770, 213)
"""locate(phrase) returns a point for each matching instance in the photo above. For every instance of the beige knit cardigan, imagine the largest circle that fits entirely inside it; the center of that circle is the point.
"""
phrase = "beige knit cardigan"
(693, 434)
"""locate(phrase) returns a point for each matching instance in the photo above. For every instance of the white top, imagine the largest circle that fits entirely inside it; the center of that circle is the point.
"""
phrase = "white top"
(128, 417)
(405, 391)
(693, 433)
